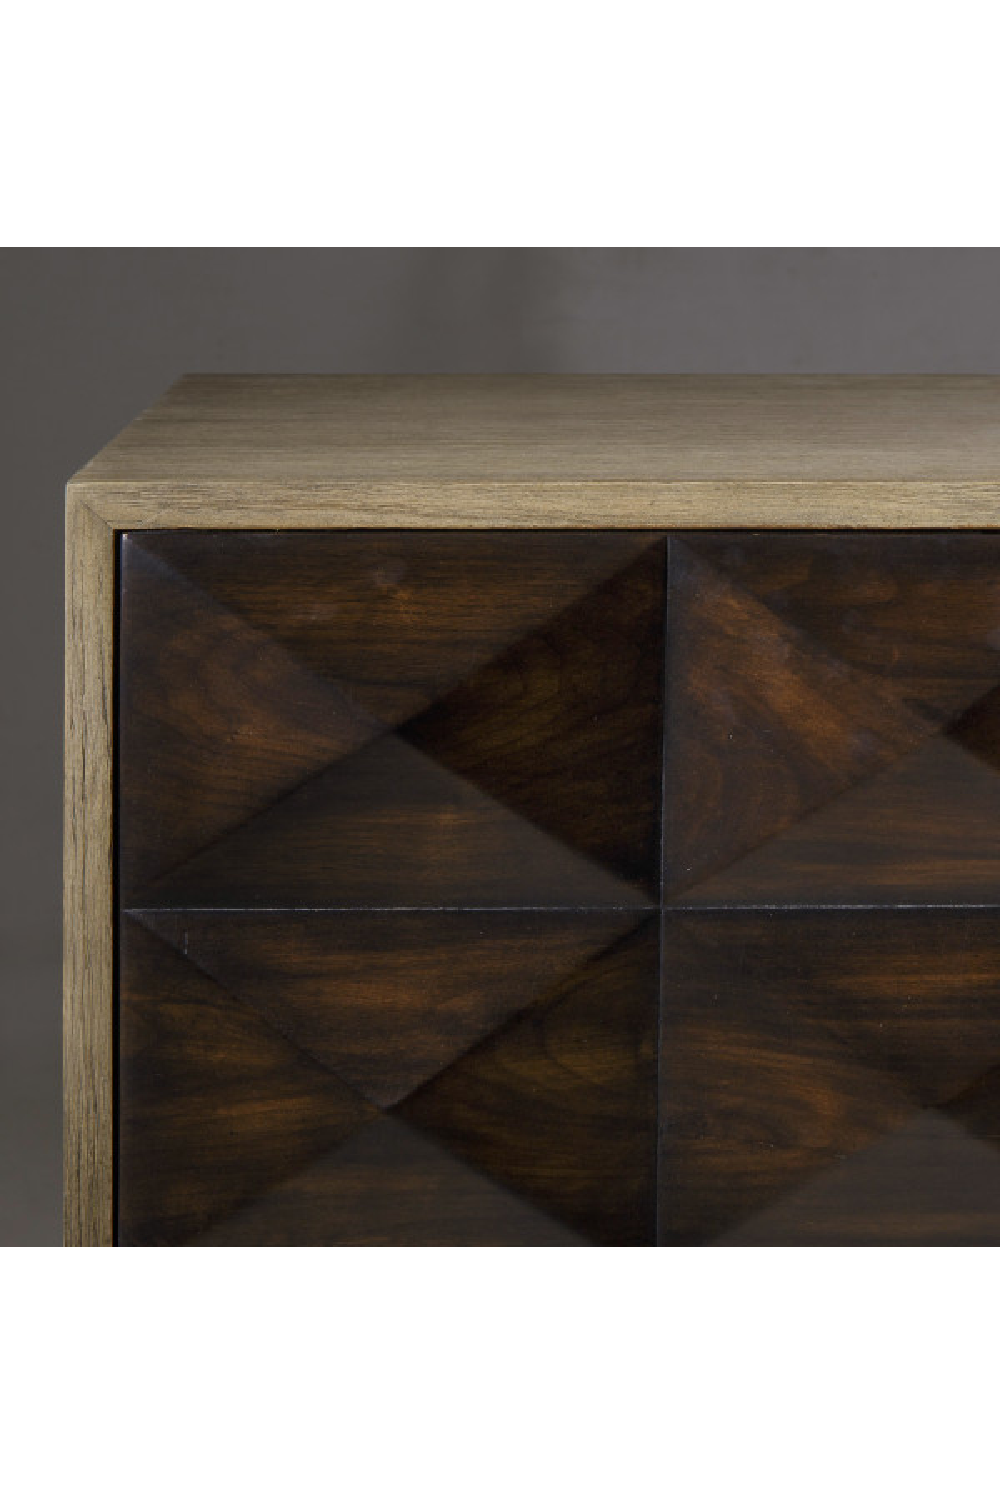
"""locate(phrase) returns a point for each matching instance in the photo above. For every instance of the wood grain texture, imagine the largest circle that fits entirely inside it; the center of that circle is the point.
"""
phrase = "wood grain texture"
(217, 720)
(833, 732)
(829, 1077)
(762, 726)
(560, 1105)
(925, 830)
(397, 620)
(566, 727)
(928, 1183)
(88, 961)
(557, 451)
(424, 719)
(385, 1000)
(389, 1185)
(391, 827)
(919, 615)
(255, 1051)
(874, 696)
(754, 1097)
(216, 1105)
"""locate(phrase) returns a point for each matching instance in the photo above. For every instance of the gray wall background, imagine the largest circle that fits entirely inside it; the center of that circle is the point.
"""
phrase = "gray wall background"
(89, 337)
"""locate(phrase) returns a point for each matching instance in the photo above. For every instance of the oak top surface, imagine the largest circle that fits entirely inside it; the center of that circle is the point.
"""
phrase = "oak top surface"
(505, 429)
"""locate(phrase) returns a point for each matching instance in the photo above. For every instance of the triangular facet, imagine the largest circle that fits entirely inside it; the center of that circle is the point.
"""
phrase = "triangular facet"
(388, 1185)
(977, 1107)
(566, 726)
(914, 992)
(215, 1106)
(918, 613)
(761, 726)
(215, 720)
(385, 1000)
(560, 1105)
(398, 618)
(756, 1094)
(925, 830)
(978, 730)
(390, 827)
(928, 1183)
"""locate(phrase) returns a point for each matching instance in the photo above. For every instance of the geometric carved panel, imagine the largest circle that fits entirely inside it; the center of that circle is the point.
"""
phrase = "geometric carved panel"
(389, 864)
(830, 719)
(802, 1049)
(559, 888)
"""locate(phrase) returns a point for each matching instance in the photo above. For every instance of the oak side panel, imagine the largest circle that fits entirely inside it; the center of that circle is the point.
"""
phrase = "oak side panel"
(88, 923)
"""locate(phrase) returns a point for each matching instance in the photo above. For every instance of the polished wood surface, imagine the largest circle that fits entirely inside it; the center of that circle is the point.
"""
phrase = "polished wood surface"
(830, 719)
(389, 840)
(560, 1105)
(331, 720)
(829, 1077)
(387, 999)
(215, 1105)
(868, 670)
(397, 962)
(557, 451)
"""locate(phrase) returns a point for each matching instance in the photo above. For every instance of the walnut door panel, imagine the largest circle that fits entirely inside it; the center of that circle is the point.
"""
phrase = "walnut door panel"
(389, 866)
(558, 888)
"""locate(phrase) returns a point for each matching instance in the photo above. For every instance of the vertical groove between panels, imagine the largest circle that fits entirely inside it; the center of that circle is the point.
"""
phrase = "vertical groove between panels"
(664, 688)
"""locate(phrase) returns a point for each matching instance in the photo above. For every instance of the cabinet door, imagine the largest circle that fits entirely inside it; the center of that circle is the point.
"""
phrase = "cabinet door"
(831, 942)
(389, 878)
(558, 888)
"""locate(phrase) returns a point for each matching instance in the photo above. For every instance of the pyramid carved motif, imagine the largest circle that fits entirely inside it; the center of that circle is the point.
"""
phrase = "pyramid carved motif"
(558, 888)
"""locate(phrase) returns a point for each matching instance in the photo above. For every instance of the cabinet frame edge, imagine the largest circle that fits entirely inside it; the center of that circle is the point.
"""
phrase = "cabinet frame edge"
(95, 516)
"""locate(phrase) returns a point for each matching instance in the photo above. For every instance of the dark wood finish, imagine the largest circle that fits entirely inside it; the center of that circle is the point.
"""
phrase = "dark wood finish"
(262, 675)
(796, 1042)
(927, 1183)
(762, 727)
(396, 619)
(559, 888)
(389, 1185)
(566, 726)
(919, 614)
(925, 830)
(560, 1105)
(215, 1105)
(217, 719)
(385, 1000)
(391, 827)
(832, 724)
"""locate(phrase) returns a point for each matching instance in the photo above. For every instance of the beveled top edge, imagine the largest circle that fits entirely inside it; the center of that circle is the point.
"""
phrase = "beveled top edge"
(528, 442)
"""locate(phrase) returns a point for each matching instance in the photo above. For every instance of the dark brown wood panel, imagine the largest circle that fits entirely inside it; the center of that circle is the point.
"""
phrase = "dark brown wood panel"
(560, 1105)
(385, 1000)
(566, 726)
(217, 720)
(832, 722)
(927, 1183)
(559, 888)
(919, 613)
(794, 1042)
(389, 1185)
(397, 619)
(424, 776)
(253, 1046)
(392, 827)
(762, 727)
(215, 1105)
(268, 687)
